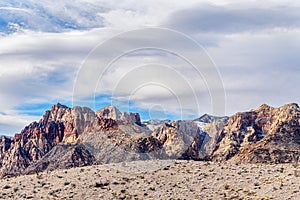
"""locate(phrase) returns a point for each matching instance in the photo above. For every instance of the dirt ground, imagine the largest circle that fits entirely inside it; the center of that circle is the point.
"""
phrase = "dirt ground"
(159, 179)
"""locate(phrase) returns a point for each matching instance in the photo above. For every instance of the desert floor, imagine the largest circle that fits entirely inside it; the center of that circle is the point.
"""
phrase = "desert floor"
(167, 179)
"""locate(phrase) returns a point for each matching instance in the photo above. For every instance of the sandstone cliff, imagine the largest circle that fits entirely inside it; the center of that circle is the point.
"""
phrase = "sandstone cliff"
(111, 112)
(59, 126)
(266, 134)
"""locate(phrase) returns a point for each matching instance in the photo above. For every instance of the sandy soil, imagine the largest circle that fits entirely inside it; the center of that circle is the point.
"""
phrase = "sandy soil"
(167, 179)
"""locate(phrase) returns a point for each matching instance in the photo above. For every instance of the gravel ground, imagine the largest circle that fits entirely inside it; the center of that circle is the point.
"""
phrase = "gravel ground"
(163, 179)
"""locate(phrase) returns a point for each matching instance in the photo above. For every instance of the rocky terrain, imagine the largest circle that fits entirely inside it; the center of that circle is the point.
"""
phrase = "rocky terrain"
(159, 179)
(263, 135)
(75, 137)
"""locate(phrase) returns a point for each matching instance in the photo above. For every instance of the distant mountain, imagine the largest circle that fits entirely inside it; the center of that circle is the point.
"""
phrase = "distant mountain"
(206, 118)
(155, 123)
(72, 137)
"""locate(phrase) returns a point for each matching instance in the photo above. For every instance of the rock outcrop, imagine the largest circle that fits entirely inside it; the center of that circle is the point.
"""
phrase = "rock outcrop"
(111, 112)
(5, 144)
(176, 137)
(147, 145)
(62, 157)
(75, 120)
(187, 139)
(59, 126)
(30, 145)
(266, 134)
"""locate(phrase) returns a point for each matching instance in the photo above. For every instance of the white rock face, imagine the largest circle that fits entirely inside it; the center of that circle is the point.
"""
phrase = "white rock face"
(83, 118)
(109, 112)
(201, 125)
(176, 136)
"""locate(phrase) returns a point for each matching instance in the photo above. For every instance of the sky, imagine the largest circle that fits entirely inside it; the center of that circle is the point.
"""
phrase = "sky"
(246, 54)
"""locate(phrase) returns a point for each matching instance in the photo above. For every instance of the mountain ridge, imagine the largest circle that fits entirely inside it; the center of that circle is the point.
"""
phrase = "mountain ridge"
(72, 137)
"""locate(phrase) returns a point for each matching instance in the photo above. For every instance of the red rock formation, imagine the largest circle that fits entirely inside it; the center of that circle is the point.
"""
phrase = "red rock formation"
(58, 126)
(104, 124)
(263, 135)
(65, 137)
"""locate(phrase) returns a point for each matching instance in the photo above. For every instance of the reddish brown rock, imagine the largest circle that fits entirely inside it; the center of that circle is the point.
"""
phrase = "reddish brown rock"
(147, 144)
(266, 134)
(57, 126)
(104, 124)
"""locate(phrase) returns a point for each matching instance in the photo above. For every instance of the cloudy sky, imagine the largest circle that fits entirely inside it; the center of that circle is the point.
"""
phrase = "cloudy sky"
(252, 45)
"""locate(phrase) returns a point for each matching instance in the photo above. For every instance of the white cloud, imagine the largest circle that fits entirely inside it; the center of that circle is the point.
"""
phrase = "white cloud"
(259, 68)
(156, 79)
(12, 122)
(233, 19)
(256, 50)
(16, 119)
(42, 66)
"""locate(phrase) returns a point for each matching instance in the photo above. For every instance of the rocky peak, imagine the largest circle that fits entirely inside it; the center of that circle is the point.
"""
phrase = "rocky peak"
(291, 106)
(206, 118)
(291, 109)
(264, 107)
(56, 113)
(75, 120)
(58, 106)
(109, 112)
(60, 125)
(261, 135)
(285, 108)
